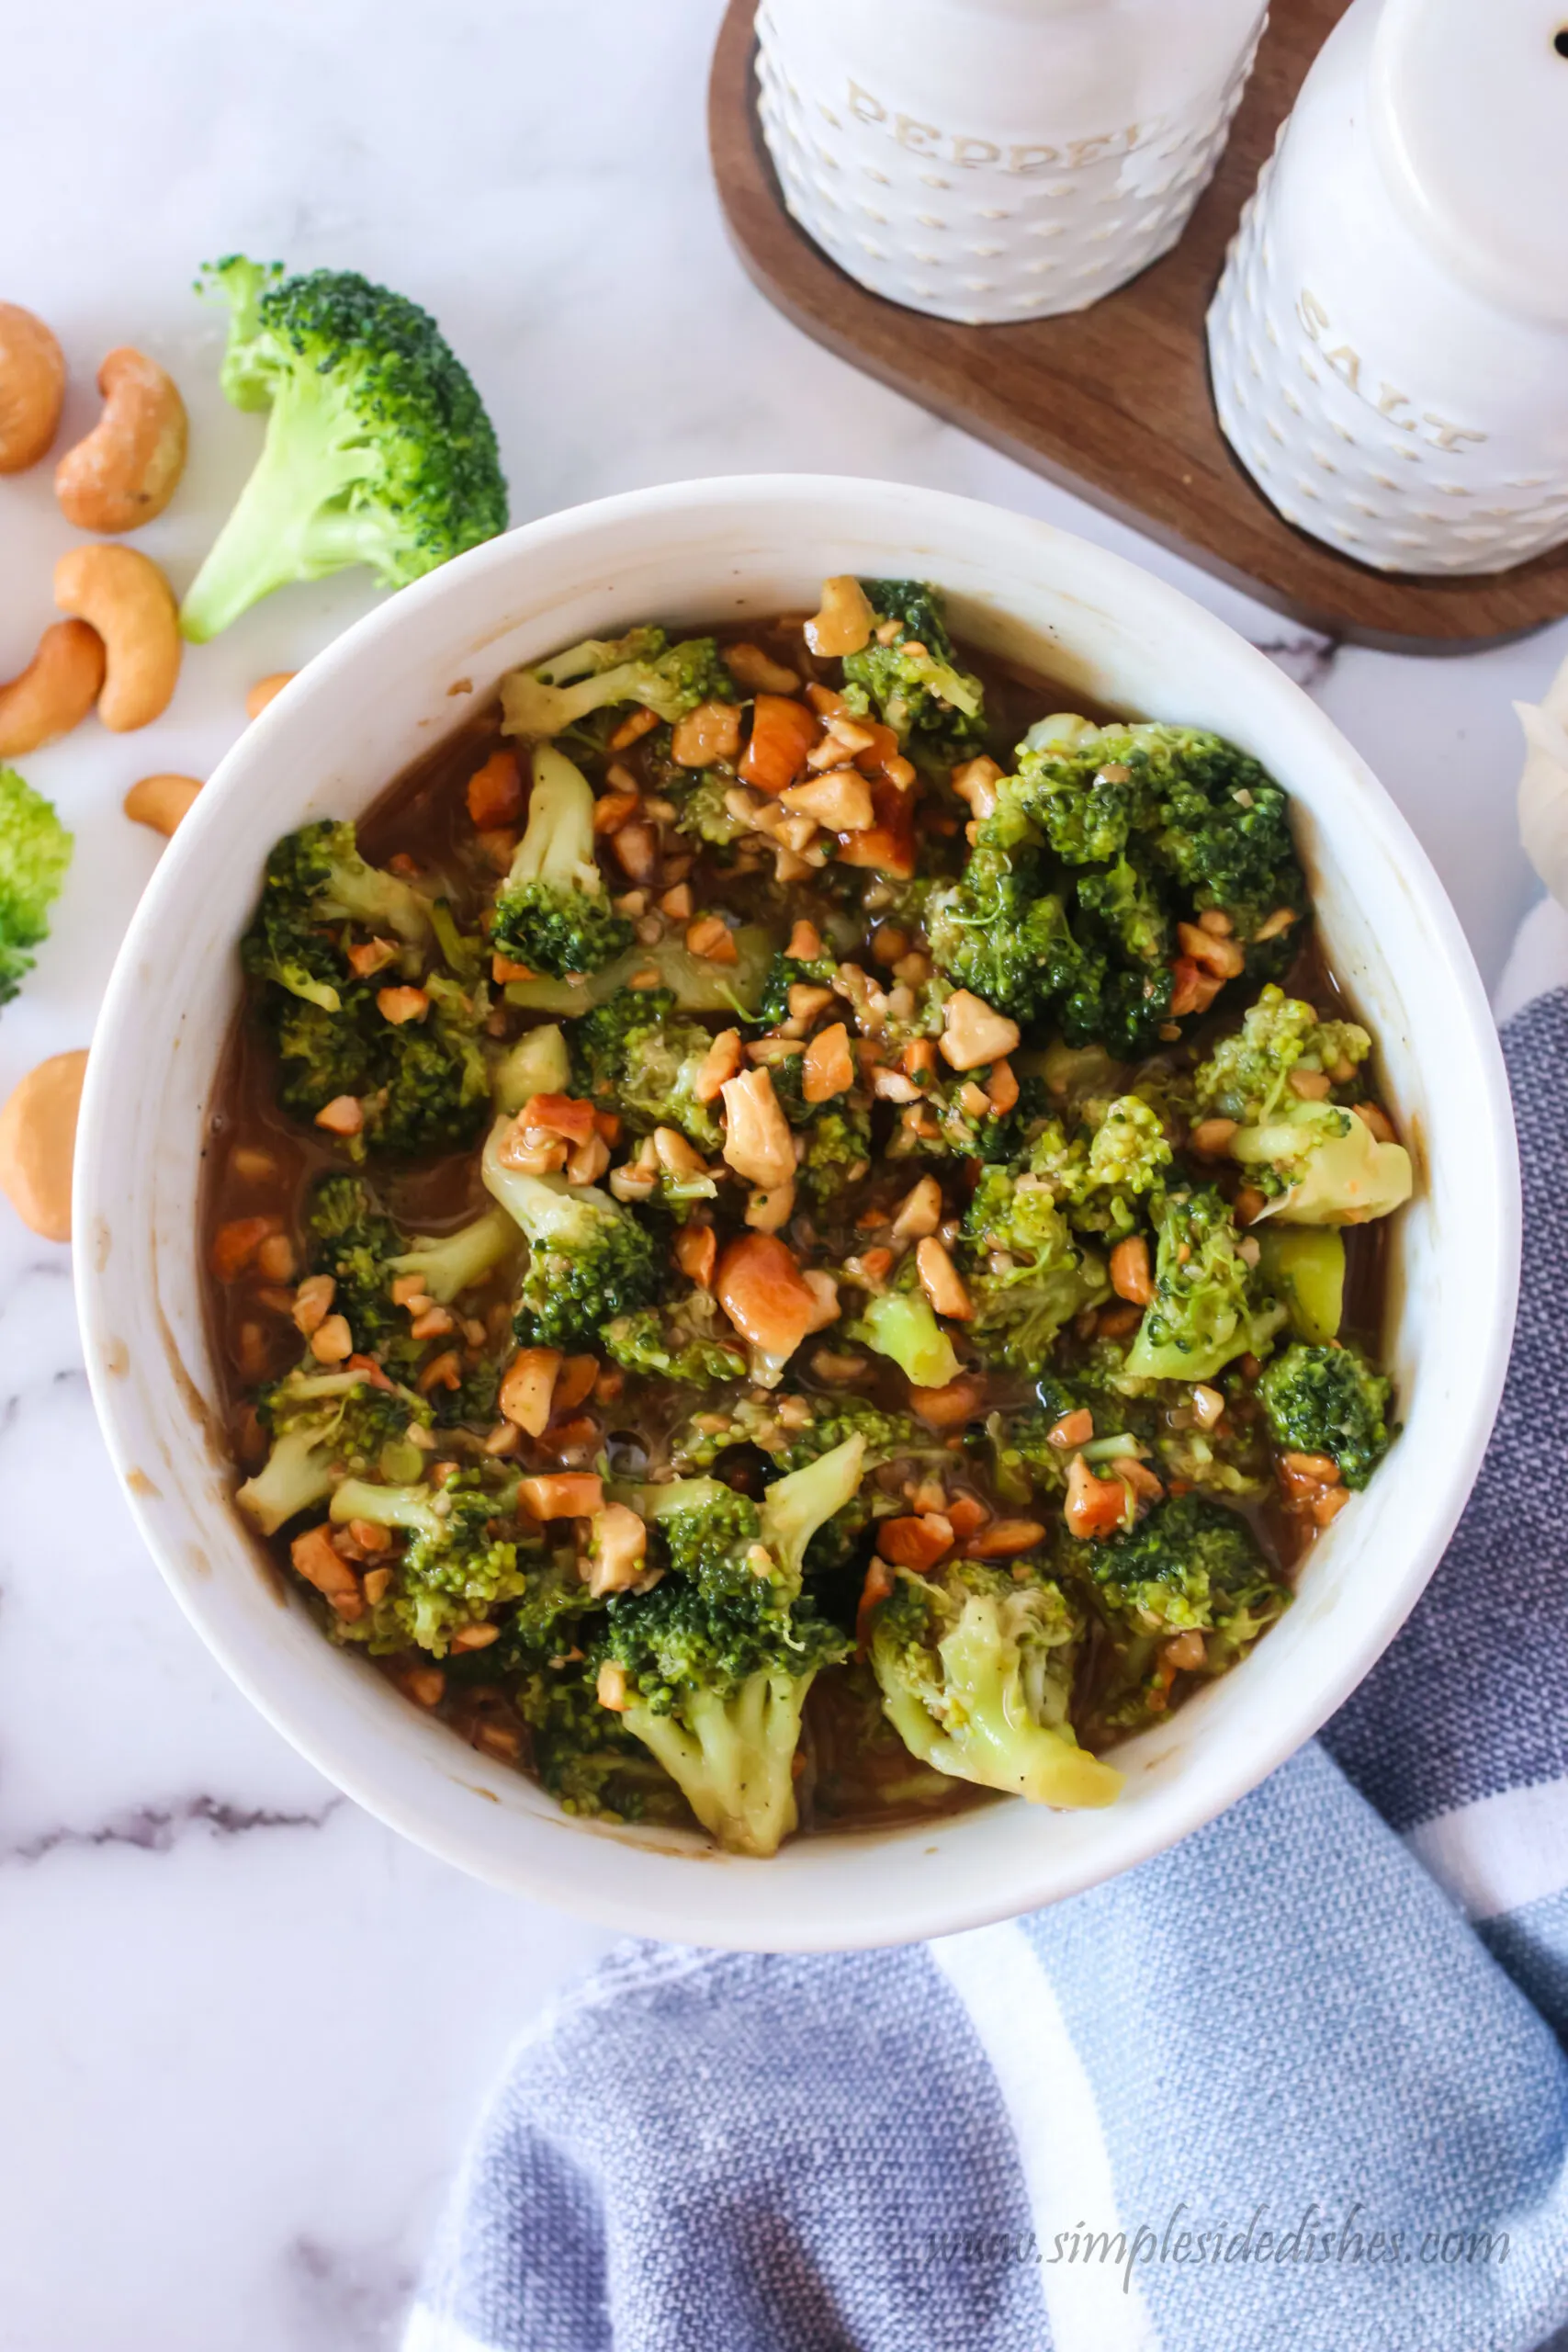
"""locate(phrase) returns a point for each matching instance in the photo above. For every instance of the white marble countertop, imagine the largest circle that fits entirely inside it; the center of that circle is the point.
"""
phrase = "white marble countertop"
(243, 2028)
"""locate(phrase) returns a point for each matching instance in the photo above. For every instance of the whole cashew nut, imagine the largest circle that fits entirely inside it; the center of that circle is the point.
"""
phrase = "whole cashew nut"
(37, 1144)
(55, 692)
(126, 469)
(131, 606)
(32, 388)
(162, 801)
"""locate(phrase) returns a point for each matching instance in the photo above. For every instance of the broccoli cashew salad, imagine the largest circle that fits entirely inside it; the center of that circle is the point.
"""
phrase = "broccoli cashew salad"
(798, 1242)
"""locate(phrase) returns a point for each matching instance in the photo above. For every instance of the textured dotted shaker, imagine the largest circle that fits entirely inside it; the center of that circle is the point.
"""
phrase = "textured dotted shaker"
(996, 160)
(1389, 344)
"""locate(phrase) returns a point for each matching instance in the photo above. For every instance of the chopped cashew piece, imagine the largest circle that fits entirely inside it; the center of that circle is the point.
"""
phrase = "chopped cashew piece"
(757, 1141)
(919, 1212)
(569, 1494)
(767, 1212)
(840, 801)
(974, 1033)
(720, 1062)
(620, 1551)
(941, 1280)
(527, 1390)
(828, 1066)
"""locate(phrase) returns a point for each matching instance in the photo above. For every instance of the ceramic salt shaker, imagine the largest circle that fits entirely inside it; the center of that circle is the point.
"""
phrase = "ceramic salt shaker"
(1389, 344)
(991, 160)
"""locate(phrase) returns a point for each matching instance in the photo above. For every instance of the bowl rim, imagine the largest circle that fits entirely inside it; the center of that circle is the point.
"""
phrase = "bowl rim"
(1191, 1798)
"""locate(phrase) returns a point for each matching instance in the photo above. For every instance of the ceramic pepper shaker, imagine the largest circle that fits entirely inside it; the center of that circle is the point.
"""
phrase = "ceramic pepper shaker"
(991, 160)
(1389, 343)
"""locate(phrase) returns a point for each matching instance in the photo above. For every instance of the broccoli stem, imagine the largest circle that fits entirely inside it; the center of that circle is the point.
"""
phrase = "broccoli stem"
(732, 1757)
(456, 1262)
(297, 1473)
(288, 522)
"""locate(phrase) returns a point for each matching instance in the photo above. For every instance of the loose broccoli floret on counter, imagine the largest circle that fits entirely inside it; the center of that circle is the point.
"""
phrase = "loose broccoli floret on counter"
(1247, 1076)
(1318, 1164)
(1026, 1274)
(1186, 1590)
(642, 667)
(552, 913)
(422, 1082)
(325, 1426)
(35, 850)
(910, 679)
(1210, 1303)
(378, 451)
(589, 1259)
(686, 1340)
(1328, 1401)
(635, 1054)
(975, 1670)
(454, 1569)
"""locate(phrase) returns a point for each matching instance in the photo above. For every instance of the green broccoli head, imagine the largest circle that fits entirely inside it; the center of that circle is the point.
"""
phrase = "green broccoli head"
(351, 1238)
(422, 1084)
(378, 450)
(837, 1154)
(1210, 1304)
(793, 1430)
(552, 913)
(584, 1755)
(1001, 934)
(714, 1684)
(1247, 1076)
(975, 1670)
(684, 1339)
(641, 667)
(325, 1426)
(786, 972)
(1105, 1183)
(35, 850)
(455, 1568)
(635, 1054)
(1191, 1568)
(910, 679)
(1328, 1401)
(1026, 1274)
(589, 1260)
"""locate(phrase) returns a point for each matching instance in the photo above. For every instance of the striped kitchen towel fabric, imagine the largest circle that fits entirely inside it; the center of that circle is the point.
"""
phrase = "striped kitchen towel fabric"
(1298, 2083)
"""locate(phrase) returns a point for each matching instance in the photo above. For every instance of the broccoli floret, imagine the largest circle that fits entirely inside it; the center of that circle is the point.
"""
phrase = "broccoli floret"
(702, 810)
(900, 1325)
(699, 1529)
(1210, 1303)
(584, 1755)
(589, 1259)
(1202, 814)
(696, 982)
(838, 1153)
(378, 451)
(1104, 1183)
(353, 1240)
(1318, 1164)
(975, 1670)
(913, 683)
(453, 1571)
(716, 1661)
(682, 1341)
(422, 1084)
(1026, 1274)
(35, 850)
(786, 972)
(634, 1055)
(1000, 933)
(713, 1687)
(1330, 1401)
(642, 667)
(325, 1424)
(552, 913)
(1248, 1077)
(1192, 1566)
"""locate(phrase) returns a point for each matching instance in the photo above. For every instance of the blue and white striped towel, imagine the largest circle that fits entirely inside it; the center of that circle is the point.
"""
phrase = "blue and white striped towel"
(1298, 2083)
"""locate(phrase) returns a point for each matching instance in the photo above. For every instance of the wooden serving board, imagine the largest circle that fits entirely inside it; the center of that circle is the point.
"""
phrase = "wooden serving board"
(1113, 402)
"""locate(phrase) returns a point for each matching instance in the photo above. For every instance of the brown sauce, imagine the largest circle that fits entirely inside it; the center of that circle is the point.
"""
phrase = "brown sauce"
(856, 1775)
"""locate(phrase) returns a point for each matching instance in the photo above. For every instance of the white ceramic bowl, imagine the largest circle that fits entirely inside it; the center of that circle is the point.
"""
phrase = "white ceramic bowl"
(392, 686)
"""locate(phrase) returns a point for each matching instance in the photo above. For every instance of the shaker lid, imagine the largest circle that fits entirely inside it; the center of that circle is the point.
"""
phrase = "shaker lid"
(1470, 112)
